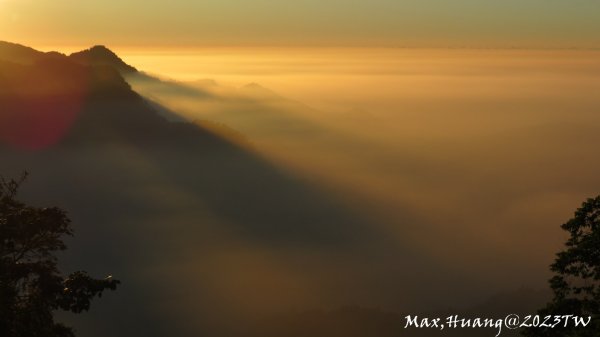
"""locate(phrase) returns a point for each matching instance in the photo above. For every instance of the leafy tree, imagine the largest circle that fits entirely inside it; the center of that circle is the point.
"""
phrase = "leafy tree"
(31, 286)
(576, 283)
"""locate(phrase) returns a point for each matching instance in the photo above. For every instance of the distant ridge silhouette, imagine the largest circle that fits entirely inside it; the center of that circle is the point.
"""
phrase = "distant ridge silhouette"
(17, 53)
(102, 56)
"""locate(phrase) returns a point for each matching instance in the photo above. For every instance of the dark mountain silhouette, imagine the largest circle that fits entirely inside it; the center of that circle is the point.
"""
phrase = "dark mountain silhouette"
(42, 101)
(102, 56)
(95, 56)
(92, 105)
(259, 105)
(146, 190)
(18, 53)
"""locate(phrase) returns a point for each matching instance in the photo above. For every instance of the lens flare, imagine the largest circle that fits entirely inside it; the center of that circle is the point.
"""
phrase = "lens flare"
(37, 106)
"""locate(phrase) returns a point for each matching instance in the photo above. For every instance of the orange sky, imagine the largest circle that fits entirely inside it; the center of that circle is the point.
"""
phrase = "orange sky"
(422, 23)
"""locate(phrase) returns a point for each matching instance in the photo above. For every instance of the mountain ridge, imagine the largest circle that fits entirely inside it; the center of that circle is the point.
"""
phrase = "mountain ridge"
(97, 55)
(50, 99)
(101, 55)
(18, 53)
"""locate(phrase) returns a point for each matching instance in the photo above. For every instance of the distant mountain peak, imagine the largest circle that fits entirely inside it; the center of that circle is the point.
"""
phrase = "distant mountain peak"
(253, 85)
(257, 90)
(102, 48)
(18, 53)
(101, 55)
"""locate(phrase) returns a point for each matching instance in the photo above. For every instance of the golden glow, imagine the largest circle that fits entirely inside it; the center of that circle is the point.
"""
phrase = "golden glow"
(379, 79)
(414, 128)
(486, 149)
(405, 23)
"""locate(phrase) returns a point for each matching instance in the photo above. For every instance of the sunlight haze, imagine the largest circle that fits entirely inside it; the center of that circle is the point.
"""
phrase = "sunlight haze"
(398, 23)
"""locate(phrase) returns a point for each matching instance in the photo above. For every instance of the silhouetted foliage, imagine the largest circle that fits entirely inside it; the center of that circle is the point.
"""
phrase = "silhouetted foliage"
(31, 286)
(576, 284)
